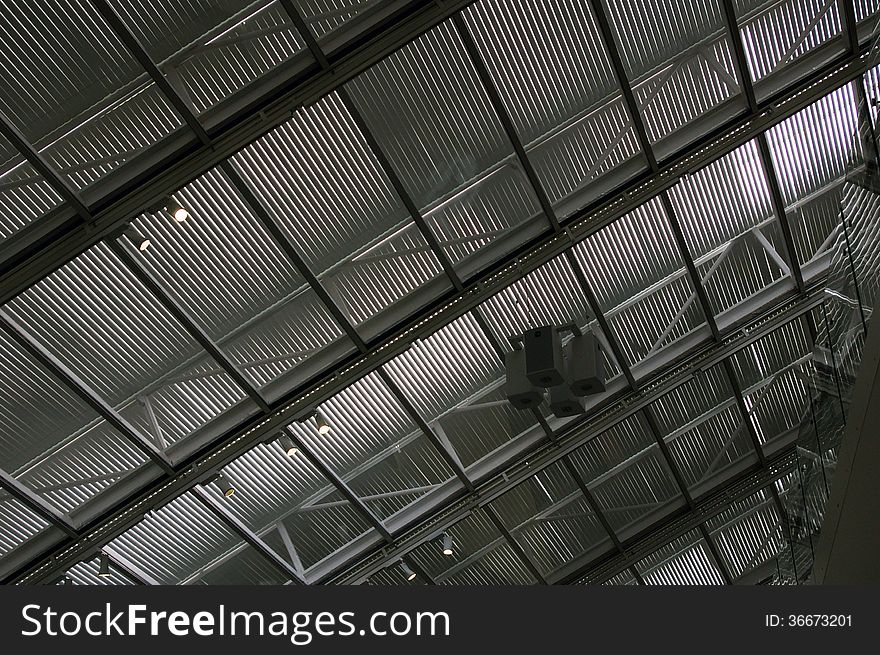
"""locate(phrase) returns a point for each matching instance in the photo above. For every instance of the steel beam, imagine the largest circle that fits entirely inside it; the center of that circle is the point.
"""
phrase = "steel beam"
(248, 535)
(36, 504)
(514, 544)
(341, 486)
(188, 323)
(720, 499)
(129, 569)
(540, 454)
(61, 186)
(83, 391)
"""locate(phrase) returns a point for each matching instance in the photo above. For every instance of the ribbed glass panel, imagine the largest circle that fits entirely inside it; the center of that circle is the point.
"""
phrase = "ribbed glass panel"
(550, 518)
(376, 447)
(99, 321)
(771, 373)
(431, 374)
(69, 63)
(213, 47)
(550, 67)
(703, 426)
(747, 534)
(633, 492)
(815, 223)
(726, 216)
(429, 112)
(641, 284)
(678, 60)
(17, 524)
(488, 422)
(24, 194)
(227, 271)
(326, 17)
(112, 136)
(813, 148)
(177, 542)
(321, 183)
(50, 440)
(272, 487)
(685, 561)
(778, 35)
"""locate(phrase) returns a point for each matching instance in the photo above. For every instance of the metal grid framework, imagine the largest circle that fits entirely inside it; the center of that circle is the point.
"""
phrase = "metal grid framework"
(380, 193)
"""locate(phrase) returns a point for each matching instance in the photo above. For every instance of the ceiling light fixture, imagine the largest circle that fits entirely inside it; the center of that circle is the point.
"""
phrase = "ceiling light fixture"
(139, 240)
(322, 422)
(407, 571)
(178, 212)
(224, 485)
(290, 448)
(104, 566)
(446, 540)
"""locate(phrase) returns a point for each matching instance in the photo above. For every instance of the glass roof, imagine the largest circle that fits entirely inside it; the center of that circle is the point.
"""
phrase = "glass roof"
(370, 255)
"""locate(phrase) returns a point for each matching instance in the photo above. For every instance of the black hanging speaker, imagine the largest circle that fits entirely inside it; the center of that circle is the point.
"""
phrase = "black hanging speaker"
(543, 348)
(518, 389)
(564, 403)
(584, 366)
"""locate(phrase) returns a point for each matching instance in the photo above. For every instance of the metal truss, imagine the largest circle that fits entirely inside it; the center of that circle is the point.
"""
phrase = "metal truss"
(273, 416)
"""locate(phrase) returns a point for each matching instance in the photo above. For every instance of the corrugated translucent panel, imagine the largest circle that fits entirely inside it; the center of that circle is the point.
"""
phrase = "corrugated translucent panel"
(777, 34)
(86, 573)
(685, 561)
(623, 468)
(319, 180)
(69, 62)
(480, 556)
(25, 195)
(640, 488)
(50, 440)
(548, 63)
(747, 534)
(476, 429)
(214, 47)
(817, 145)
(227, 271)
(17, 524)
(431, 374)
(318, 529)
(866, 9)
(98, 320)
(376, 447)
(112, 136)
(815, 223)
(245, 567)
(678, 60)
(725, 213)
(176, 542)
(771, 374)
(703, 426)
(550, 518)
(429, 112)
(272, 487)
(640, 282)
(547, 60)
(326, 17)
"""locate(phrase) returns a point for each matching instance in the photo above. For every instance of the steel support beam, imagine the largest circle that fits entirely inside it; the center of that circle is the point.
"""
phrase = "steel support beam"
(129, 569)
(188, 323)
(248, 535)
(55, 179)
(540, 454)
(36, 504)
(514, 544)
(711, 505)
(83, 391)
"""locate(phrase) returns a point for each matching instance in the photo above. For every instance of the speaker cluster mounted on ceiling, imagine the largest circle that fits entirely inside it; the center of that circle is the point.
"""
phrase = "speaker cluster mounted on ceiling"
(540, 366)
